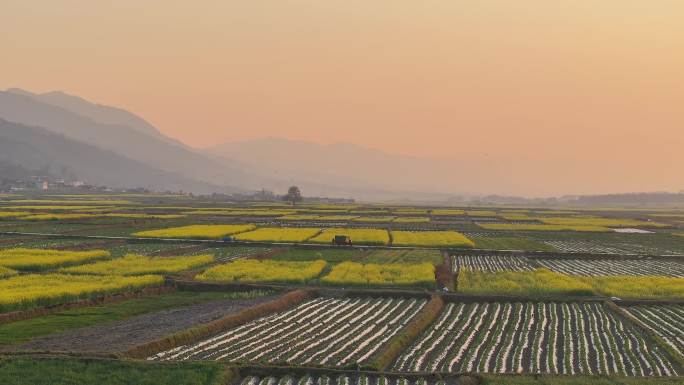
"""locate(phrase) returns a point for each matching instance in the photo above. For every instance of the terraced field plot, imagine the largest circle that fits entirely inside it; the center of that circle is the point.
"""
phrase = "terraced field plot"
(279, 234)
(340, 379)
(358, 236)
(666, 320)
(559, 338)
(491, 263)
(195, 231)
(430, 239)
(600, 267)
(619, 248)
(322, 331)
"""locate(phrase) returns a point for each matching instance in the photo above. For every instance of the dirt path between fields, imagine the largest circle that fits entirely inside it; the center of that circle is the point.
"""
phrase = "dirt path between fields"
(119, 336)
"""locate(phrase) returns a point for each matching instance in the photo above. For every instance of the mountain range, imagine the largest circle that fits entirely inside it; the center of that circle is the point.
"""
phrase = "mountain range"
(111, 146)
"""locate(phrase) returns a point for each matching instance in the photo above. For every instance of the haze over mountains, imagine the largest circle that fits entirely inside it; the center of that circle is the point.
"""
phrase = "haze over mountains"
(110, 146)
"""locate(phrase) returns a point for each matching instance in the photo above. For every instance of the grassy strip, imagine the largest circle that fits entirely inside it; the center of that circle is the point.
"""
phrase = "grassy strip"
(63, 370)
(199, 332)
(674, 355)
(26, 330)
(403, 339)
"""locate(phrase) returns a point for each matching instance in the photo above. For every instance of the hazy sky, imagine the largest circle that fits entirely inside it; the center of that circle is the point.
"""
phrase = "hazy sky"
(584, 94)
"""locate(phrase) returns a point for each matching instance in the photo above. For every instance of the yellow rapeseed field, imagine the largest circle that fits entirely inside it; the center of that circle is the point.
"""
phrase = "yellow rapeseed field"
(447, 212)
(298, 217)
(133, 264)
(252, 270)
(376, 219)
(358, 236)
(279, 234)
(195, 231)
(57, 217)
(13, 214)
(144, 216)
(41, 259)
(412, 220)
(6, 272)
(430, 239)
(31, 290)
(333, 218)
(352, 273)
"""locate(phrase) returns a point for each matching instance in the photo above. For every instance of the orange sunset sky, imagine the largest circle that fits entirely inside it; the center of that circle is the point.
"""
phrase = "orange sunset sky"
(587, 95)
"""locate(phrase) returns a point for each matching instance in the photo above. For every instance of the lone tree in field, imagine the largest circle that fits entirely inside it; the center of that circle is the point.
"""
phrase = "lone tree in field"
(293, 195)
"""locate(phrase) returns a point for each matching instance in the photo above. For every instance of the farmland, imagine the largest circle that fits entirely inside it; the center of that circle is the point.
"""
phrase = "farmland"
(421, 289)
(26, 291)
(277, 234)
(430, 239)
(599, 267)
(557, 338)
(323, 331)
(264, 271)
(395, 274)
(195, 231)
(359, 236)
(40, 259)
(133, 264)
(491, 263)
(666, 320)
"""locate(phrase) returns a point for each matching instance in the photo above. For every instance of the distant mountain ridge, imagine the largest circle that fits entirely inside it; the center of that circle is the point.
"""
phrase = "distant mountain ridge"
(154, 150)
(37, 148)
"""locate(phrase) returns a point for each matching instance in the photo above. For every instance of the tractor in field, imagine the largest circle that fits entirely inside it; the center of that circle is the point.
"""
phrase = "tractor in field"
(342, 240)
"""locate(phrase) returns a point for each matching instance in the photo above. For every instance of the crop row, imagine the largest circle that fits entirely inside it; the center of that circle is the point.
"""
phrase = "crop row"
(558, 338)
(322, 331)
(491, 263)
(599, 267)
(620, 248)
(666, 320)
(341, 379)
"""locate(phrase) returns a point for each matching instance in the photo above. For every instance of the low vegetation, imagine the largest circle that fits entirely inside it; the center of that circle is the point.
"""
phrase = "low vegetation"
(404, 256)
(26, 330)
(543, 282)
(330, 255)
(252, 270)
(32, 290)
(133, 264)
(56, 217)
(540, 282)
(412, 220)
(69, 371)
(14, 214)
(542, 227)
(41, 259)
(371, 274)
(358, 236)
(196, 231)
(430, 239)
(279, 234)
